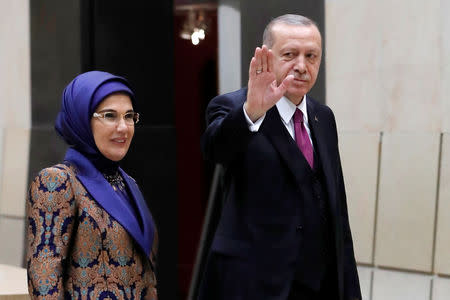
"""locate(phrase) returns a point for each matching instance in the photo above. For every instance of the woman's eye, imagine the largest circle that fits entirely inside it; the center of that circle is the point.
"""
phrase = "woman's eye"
(129, 116)
(110, 115)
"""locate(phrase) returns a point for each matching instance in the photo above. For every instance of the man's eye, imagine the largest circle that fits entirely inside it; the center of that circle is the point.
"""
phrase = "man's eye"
(110, 115)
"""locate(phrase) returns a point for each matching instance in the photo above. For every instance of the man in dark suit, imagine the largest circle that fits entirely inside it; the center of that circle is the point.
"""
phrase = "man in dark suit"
(284, 231)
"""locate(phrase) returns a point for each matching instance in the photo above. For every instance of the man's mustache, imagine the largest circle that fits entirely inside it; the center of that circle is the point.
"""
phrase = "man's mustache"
(304, 76)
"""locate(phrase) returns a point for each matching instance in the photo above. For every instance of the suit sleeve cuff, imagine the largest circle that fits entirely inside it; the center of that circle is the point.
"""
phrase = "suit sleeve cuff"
(253, 127)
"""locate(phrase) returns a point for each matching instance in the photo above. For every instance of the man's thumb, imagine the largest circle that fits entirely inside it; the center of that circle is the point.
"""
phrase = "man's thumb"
(286, 83)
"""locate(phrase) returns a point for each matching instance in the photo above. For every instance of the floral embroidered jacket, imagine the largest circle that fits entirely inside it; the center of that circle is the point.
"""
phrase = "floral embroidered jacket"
(76, 250)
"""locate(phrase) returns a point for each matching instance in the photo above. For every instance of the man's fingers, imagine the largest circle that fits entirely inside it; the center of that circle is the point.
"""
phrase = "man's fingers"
(264, 54)
(252, 68)
(282, 88)
(287, 81)
(256, 63)
(270, 59)
(258, 56)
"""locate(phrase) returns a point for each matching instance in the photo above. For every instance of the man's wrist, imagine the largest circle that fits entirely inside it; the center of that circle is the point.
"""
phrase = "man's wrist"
(253, 116)
(253, 126)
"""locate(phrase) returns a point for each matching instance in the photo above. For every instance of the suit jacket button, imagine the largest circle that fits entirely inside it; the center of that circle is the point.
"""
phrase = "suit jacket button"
(299, 227)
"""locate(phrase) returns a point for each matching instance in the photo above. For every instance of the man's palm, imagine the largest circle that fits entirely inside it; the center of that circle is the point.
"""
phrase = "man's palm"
(263, 91)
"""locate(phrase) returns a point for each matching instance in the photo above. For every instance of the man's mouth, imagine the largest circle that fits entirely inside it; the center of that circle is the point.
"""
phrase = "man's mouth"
(303, 80)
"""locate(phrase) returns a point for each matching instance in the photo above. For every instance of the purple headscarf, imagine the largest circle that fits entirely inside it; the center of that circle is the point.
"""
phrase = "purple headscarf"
(79, 101)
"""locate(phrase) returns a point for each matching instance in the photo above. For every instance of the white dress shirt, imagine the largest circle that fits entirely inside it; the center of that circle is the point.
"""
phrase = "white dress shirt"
(286, 109)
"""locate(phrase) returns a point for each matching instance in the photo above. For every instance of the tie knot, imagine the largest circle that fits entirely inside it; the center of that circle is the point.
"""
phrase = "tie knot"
(298, 116)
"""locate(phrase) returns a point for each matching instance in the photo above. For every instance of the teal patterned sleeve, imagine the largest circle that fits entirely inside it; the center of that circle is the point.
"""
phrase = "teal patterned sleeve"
(51, 213)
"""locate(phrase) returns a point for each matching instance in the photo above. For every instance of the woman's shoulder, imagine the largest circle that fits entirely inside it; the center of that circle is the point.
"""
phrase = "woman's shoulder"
(52, 189)
(56, 170)
(55, 176)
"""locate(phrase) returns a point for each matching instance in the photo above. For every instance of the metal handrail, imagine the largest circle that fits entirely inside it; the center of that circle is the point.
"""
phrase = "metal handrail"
(209, 227)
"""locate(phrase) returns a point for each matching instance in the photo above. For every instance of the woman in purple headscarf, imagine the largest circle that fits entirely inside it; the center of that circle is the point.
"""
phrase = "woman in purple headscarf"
(90, 233)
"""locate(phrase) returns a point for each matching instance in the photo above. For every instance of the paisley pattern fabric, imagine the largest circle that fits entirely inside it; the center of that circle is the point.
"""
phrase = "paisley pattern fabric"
(76, 250)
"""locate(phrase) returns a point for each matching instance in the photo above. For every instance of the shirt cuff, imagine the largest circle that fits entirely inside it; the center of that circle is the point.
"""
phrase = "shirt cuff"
(253, 127)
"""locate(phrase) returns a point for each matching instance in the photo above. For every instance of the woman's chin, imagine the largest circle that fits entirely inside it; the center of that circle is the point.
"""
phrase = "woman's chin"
(116, 156)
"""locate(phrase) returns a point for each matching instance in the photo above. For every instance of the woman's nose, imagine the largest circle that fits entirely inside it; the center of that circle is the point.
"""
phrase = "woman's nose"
(121, 125)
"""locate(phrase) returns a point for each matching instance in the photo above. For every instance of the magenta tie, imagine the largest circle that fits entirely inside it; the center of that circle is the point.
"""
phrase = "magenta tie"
(302, 138)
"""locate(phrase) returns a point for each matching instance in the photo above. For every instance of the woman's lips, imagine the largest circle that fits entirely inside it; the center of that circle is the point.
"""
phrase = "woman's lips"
(119, 140)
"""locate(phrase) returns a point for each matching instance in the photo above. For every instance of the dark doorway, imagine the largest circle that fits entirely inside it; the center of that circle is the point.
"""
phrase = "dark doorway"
(195, 85)
(134, 39)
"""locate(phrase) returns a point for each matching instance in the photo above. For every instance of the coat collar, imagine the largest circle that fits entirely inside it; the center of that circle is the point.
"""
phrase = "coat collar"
(319, 124)
(102, 192)
(286, 109)
(275, 130)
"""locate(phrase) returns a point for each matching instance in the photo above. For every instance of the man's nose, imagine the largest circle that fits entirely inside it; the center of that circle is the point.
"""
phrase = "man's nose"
(300, 64)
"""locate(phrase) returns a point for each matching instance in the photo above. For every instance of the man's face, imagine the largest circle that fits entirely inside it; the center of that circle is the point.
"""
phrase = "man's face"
(298, 51)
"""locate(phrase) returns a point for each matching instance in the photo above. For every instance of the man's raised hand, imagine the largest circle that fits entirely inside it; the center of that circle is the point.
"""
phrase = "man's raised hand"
(263, 91)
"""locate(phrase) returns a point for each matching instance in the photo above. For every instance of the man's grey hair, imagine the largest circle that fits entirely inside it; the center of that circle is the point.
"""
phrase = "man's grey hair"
(288, 19)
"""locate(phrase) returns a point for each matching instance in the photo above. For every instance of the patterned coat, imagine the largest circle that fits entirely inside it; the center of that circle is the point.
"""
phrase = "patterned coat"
(76, 250)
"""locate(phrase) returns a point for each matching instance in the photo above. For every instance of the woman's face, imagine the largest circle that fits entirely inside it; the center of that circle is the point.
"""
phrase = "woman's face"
(113, 135)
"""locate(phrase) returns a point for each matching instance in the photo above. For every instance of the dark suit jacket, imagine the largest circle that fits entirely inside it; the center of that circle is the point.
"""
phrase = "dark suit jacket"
(258, 242)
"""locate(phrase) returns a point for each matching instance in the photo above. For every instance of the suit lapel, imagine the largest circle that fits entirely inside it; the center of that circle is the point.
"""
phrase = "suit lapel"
(148, 229)
(322, 145)
(102, 192)
(274, 129)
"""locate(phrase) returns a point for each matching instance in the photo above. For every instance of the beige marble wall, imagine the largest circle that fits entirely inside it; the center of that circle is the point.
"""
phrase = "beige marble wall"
(360, 151)
(384, 64)
(445, 63)
(15, 171)
(13, 283)
(407, 200)
(12, 231)
(388, 74)
(442, 258)
(15, 122)
(15, 62)
(229, 23)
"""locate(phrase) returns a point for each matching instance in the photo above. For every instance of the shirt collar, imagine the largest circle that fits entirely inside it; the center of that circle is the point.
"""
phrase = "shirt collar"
(287, 109)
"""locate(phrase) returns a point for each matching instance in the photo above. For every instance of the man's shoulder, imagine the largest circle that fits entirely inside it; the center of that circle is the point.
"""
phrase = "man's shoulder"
(318, 107)
(231, 99)
(240, 94)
